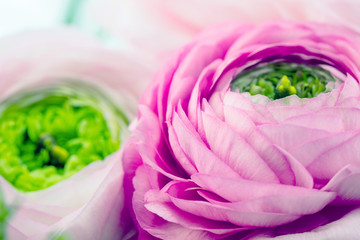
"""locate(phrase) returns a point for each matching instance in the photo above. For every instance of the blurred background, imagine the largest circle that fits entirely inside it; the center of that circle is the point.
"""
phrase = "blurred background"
(155, 29)
(20, 15)
(17, 15)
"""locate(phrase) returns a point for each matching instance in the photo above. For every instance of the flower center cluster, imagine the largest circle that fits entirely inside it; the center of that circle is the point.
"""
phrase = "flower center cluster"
(47, 136)
(279, 80)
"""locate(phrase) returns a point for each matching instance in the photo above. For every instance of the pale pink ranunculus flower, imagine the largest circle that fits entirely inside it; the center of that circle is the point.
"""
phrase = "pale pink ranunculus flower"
(205, 162)
(90, 204)
(160, 26)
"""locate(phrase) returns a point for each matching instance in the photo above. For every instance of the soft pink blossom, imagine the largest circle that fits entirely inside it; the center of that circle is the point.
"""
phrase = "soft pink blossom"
(90, 204)
(160, 26)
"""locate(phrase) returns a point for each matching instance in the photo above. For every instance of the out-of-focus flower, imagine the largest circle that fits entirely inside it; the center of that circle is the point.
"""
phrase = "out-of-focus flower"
(160, 26)
(251, 132)
(87, 204)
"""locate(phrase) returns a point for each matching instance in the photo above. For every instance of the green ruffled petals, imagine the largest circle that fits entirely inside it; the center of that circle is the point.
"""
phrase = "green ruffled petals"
(49, 135)
(279, 80)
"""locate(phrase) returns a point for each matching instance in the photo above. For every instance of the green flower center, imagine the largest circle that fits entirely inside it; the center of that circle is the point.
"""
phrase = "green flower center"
(279, 80)
(48, 135)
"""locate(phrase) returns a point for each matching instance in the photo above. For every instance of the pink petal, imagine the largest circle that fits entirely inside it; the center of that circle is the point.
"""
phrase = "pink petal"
(205, 106)
(216, 104)
(343, 184)
(327, 122)
(239, 190)
(152, 223)
(159, 203)
(201, 89)
(281, 113)
(303, 204)
(240, 218)
(235, 151)
(351, 89)
(151, 146)
(293, 106)
(288, 136)
(265, 211)
(13, 233)
(243, 125)
(239, 121)
(302, 176)
(87, 194)
(346, 227)
(192, 145)
(309, 151)
(349, 102)
(258, 113)
(180, 156)
(349, 115)
(325, 166)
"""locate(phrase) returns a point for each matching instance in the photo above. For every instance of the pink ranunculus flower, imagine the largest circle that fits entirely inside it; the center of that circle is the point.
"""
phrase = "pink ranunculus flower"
(208, 162)
(90, 204)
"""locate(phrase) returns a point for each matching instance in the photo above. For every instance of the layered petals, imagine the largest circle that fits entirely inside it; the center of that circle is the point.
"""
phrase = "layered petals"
(231, 165)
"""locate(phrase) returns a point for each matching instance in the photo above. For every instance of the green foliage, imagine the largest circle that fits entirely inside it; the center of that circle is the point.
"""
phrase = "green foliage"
(279, 80)
(61, 236)
(46, 140)
(4, 214)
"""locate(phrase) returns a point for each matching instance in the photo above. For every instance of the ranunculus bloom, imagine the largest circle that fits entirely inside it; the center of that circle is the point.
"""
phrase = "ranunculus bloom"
(205, 162)
(88, 205)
